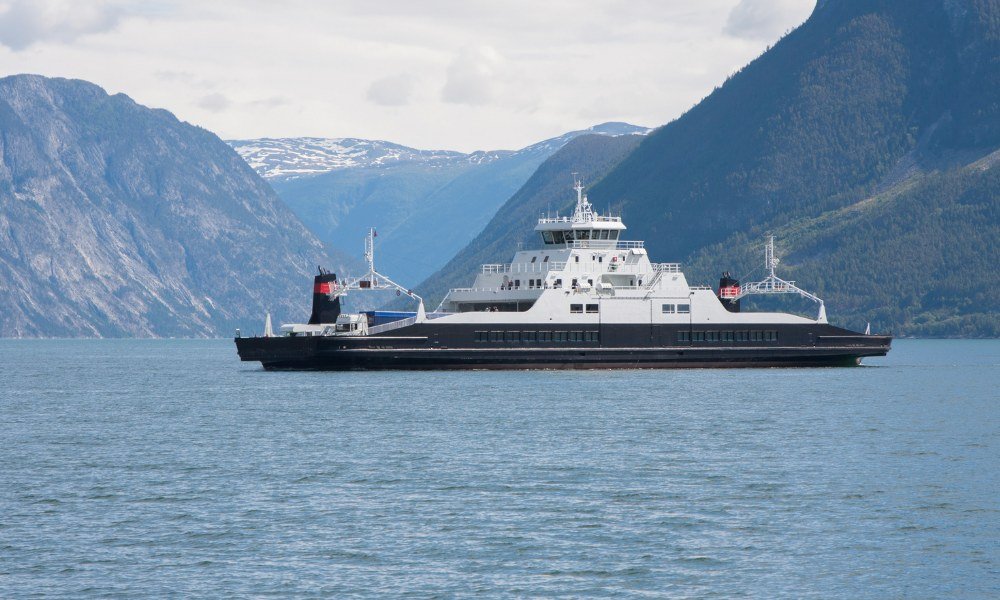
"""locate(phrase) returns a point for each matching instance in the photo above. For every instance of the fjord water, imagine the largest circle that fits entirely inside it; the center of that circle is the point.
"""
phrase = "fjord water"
(151, 468)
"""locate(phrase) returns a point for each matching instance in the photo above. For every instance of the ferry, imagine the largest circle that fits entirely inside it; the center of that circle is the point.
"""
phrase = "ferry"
(584, 298)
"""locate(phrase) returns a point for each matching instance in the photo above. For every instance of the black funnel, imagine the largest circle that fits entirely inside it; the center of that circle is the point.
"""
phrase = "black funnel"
(324, 309)
(729, 287)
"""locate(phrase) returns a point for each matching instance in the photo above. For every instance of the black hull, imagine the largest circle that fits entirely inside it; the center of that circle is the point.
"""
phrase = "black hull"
(430, 347)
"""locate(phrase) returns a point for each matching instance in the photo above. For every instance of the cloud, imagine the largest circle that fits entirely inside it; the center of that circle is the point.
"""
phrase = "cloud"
(394, 90)
(766, 19)
(472, 76)
(214, 102)
(27, 22)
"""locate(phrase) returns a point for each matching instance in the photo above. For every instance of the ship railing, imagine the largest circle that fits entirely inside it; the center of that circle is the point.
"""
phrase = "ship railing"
(596, 244)
(700, 287)
(496, 268)
(629, 244)
(390, 326)
(538, 267)
(667, 267)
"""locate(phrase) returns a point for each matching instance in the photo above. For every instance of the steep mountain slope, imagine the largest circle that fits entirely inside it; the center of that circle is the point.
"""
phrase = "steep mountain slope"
(120, 220)
(426, 205)
(548, 189)
(836, 140)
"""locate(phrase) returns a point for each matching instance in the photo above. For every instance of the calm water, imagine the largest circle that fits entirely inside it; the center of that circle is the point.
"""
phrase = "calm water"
(154, 468)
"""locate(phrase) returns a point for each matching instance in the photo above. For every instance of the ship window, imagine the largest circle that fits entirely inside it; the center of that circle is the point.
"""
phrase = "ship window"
(711, 336)
(517, 284)
(741, 336)
(569, 236)
(771, 336)
(592, 308)
(576, 258)
(576, 308)
(593, 336)
(482, 336)
(614, 235)
(557, 284)
(544, 336)
(534, 258)
(513, 336)
(527, 336)
(698, 336)
(546, 237)
(576, 336)
(600, 259)
(496, 336)
(683, 308)
(546, 259)
(726, 336)
(583, 234)
(557, 237)
(559, 336)
(754, 336)
(682, 336)
(669, 308)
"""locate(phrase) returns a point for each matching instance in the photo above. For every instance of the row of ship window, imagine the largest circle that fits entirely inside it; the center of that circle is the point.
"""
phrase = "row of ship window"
(728, 336)
(537, 336)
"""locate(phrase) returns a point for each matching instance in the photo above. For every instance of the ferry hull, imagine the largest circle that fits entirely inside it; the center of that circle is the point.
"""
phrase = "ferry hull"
(421, 353)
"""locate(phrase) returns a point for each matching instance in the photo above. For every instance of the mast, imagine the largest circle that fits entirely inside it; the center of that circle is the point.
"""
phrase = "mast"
(772, 284)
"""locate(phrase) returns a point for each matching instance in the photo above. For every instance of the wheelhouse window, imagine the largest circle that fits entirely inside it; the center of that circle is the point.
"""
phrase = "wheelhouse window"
(547, 238)
(576, 308)
(613, 235)
(558, 238)
(583, 234)
(593, 308)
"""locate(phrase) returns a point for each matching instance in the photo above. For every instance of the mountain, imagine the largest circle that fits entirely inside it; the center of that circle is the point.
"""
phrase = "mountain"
(120, 220)
(866, 140)
(426, 205)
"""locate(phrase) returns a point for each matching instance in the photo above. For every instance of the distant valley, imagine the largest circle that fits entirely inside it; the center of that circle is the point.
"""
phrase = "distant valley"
(426, 205)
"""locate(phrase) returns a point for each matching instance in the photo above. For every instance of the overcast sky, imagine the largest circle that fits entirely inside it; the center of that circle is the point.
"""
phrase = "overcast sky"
(461, 75)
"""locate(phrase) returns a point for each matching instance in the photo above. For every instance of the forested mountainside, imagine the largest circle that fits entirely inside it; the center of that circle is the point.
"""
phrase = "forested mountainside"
(425, 205)
(120, 220)
(865, 140)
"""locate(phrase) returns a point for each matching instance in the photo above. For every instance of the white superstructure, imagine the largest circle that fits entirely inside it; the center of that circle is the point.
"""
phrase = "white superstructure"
(585, 272)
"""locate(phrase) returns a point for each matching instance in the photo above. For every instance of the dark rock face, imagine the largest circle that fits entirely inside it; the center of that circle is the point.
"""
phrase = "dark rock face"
(120, 220)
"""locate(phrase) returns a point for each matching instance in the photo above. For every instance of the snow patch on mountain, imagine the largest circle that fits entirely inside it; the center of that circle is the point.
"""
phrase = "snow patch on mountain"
(286, 158)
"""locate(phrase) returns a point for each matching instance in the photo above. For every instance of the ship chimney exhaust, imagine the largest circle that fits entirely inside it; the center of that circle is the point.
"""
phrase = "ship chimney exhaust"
(324, 309)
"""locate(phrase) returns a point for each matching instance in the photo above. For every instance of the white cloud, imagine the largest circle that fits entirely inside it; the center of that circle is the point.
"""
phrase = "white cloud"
(472, 76)
(394, 90)
(27, 22)
(215, 102)
(477, 75)
(766, 19)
